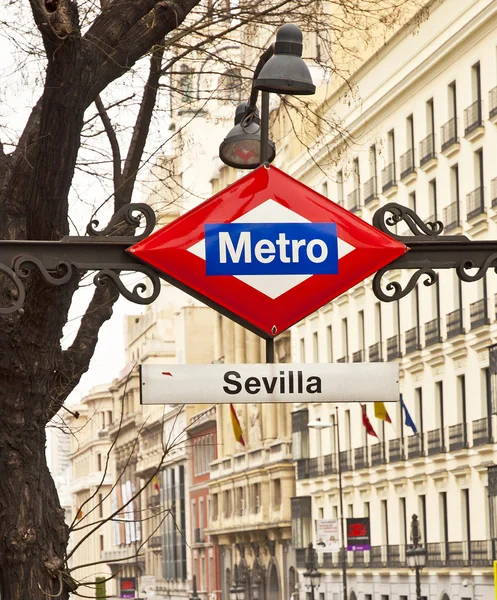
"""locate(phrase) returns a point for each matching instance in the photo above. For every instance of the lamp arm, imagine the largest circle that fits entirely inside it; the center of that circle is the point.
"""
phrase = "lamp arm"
(265, 56)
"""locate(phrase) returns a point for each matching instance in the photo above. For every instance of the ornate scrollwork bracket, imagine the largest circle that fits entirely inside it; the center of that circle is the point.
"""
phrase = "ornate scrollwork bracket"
(101, 251)
(428, 250)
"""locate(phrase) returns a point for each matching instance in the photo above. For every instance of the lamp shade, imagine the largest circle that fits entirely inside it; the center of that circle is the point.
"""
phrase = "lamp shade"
(285, 72)
(416, 557)
(241, 148)
(315, 578)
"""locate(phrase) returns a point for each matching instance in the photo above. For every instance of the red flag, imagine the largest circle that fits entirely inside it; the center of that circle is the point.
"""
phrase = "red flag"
(156, 484)
(366, 422)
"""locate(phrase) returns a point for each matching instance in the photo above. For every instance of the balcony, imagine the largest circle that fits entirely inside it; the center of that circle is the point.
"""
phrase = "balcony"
(358, 356)
(198, 534)
(393, 347)
(472, 117)
(155, 541)
(415, 447)
(432, 332)
(343, 359)
(388, 177)
(457, 437)
(449, 134)
(153, 501)
(303, 468)
(300, 554)
(377, 454)
(435, 554)
(481, 432)
(455, 555)
(480, 554)
(492, 103)
(315, 467)
(475, 203)
(407, 164)
(478, 314)
(376, 557)
(375, 353)
(396, 556)
(493, 192)
(427, 149)
(353, 201)
(346, 461)
(396, 450)
(451, 217)
(412, 340)
(329, 464)
(454, 322)
(370, 190)
(435, 442)
(361, 458)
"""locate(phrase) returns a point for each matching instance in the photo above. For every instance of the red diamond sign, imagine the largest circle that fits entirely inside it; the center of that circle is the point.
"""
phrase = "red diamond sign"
(267, 251)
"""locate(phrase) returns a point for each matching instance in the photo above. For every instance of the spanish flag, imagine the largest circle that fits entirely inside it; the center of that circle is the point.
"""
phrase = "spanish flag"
(380, 412)
(156, 483)
(367, 423)
(237, 428)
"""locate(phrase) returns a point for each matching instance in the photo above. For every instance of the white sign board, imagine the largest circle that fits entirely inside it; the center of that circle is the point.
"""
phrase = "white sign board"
(327, 535)
(254, 383)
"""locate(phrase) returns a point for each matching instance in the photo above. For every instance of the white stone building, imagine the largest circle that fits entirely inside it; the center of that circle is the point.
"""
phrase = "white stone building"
(421, 116)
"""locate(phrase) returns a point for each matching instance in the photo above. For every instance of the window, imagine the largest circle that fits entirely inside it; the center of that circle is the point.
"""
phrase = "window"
(410, 133)
(276, 493)
(227, 503)
(301, 521)
(476, 82)
(185, 84)
(324, 189)
(461, 399)
(403, 521)
(361, 331)
(384, 522)
(391, 149)
(418, 408)
(302, 349)
(423, 518)
(432, 200)
(255, 500)
(356, 174)
(367, 509)
(430, 117)
(315, 347)
(340, 188)
(214, 506)
(99, 461)
(377, 322)
(439, 407)
(373, 161)
(345, 339)
(465, 510)
(444, 524)
(239, 503)
(300, 434)
(329, 342)
(100, 506)
(452, 100)
(348, 430)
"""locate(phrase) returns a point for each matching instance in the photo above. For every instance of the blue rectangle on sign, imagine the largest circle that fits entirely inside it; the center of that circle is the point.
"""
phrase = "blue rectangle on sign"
(271, 248)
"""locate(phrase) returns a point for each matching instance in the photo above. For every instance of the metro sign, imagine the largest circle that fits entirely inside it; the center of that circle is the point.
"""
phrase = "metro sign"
(267, 251)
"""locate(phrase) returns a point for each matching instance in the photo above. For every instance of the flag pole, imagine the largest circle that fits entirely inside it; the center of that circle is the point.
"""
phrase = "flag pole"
(342, 518)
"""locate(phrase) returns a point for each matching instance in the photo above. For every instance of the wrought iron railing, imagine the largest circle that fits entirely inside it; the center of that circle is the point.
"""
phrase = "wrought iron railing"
(458, 438)
(393, 347)
(481, 432)
(452, 218)
(435, 554)
(353, 200)
(492, 102)
(475, 203)
(395, 556)
(427, 149)
(412, 340)
(329, 464)
(478, 313)
(375, 353)
(407, 163)
(315, 467)
(300, 554)
(303, 468)
(346, 460)
(433, 332)
(396, 450)
(358, 356)
(388, 177)
(155, 541)
(449, 133)
(493, 190)
(370, 190)
(456, 555)
(472, 117)
(415, 446)
(376, 556)
(377, 454)
(454, 321)
(435, 441)
(343, 359)
(361, 458)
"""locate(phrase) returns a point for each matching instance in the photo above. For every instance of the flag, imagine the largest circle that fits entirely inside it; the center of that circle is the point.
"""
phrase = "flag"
(237, 428)
(409, 422)
(79, 514)
(380, 412)
(366, 422)
(156, 483)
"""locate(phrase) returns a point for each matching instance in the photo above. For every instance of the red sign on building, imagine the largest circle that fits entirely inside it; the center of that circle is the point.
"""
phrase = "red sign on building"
(267, 251)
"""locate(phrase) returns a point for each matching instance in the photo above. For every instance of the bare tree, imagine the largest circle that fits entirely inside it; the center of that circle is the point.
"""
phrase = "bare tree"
(77, 54)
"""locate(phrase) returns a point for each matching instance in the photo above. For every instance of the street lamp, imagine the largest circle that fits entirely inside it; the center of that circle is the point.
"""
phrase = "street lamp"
(416, 554)
(312, 572)
(237, 589)
(343, 553)
(194, 595)
(280, 70)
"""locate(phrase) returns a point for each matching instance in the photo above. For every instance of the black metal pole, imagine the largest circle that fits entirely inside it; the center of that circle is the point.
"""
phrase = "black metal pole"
(342, 518)
(264, 152)
(312, 591)
(418, 584)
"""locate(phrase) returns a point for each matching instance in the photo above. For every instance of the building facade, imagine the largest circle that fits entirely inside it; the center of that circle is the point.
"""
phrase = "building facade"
(423, 134)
